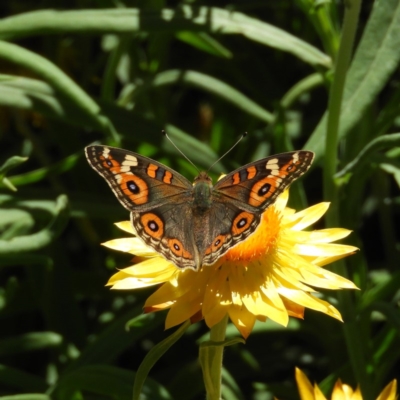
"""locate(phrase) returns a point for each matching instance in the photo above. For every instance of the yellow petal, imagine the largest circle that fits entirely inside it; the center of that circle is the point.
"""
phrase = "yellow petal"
(322, 261)
(131, 283)
(287, 277)
(357, 394)
(130, 245)
(216, 290)
(307, 217)
(242, 319)
(215, 314)
(276, 313)
(180, 312)
(304, 386)
(344, 392)
(306, 300)
(318, 277)
(389, 392)
(314, 237)
(125, 226)
(271, 296)
(293, 309)
(323, 249)
(165, 293)
(327, 280)
(282, 200)
(318, 394)
(328, 235)
(235, 284)
(122, 280)
(152, 268)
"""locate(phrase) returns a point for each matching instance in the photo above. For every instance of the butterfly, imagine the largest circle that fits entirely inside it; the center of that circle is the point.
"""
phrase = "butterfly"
(194, 224)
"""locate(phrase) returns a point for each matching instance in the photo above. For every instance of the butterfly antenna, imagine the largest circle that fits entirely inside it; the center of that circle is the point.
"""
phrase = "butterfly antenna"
(223, 155)
(179, 150)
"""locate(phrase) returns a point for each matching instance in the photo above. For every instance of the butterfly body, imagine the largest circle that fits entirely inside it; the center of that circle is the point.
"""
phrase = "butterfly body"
(189, 224)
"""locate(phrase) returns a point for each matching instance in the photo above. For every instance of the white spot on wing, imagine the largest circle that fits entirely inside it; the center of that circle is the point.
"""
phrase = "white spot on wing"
(130, 161)
(273, 166)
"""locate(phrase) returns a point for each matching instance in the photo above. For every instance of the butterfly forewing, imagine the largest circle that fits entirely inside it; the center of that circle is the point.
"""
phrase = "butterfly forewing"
(255, 186)
(138, 182)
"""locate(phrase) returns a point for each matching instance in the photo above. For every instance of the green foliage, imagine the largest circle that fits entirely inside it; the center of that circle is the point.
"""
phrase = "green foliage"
(119, 73)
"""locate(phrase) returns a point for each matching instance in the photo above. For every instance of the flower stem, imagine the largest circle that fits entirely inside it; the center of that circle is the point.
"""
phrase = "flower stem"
(334, 107)
(211, 361)
(355, 346)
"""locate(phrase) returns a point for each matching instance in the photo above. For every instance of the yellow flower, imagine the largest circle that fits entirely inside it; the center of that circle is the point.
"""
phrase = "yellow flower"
(268, 275)
(340, 391)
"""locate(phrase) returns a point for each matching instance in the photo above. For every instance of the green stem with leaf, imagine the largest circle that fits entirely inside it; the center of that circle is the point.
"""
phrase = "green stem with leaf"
(355, 346)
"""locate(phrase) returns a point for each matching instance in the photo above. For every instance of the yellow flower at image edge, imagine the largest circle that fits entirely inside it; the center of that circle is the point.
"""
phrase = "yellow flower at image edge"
(340, 391)
(268, 275)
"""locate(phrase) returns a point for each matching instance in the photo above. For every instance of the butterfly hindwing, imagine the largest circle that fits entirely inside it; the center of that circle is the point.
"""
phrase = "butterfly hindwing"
(168, 229)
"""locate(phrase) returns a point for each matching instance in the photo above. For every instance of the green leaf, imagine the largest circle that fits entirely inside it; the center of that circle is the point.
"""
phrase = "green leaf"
(42, 238)
(392, 168)
(153, 356)
(185, 18)
(29, 342)
(364, 156)
(15, 222)
(150, 131)
(20, 380)
(390, 312)
(384, 286)
(204, 42)
(28, 396)
(230, 388)
(376, 58)
(11, 163)
(33, 94)
(105, 380)
(61, 82)
(211, 85)
(225, 343)
(42, 173)
(115, 339)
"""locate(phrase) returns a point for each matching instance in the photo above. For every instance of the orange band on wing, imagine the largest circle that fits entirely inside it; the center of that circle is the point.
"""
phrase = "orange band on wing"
(290, 167)
(241, 223)
(216, 244)
(111, 164)
(152, 225)
(251, 171)
(167, 177)
(262, 190)
(236, 178)
(177, 248)
(135, 188)
(151, 170)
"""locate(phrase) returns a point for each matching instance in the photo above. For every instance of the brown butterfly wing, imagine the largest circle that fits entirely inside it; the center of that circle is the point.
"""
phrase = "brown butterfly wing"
(158, 198)
(138, 182)
(247, 192)
(257, 185)
(228, 225)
